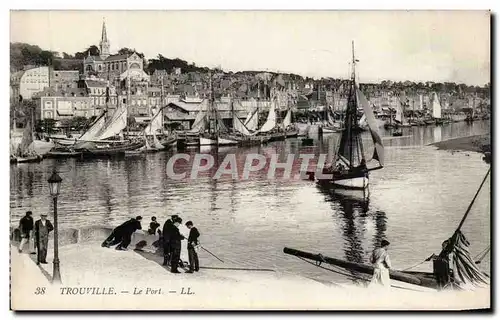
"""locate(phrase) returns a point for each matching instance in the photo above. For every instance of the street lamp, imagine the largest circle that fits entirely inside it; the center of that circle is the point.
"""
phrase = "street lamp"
(55, 186)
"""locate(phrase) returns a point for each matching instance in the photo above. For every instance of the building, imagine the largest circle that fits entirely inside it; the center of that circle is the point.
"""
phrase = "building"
(33, 81)
(111, 67)
(15, 83)
(96, 90)
(61, 79)
(185, 110)
(73, 102)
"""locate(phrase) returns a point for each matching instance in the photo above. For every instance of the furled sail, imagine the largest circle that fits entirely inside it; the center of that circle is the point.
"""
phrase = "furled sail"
(399, 113)
(436, 107)
(466, 273)
(252, 121)
(288, 119)
(115, 125)
(378, 153)
(155, 124)
(239, 126)
(271, 119)
(348, 147)
(26, 148)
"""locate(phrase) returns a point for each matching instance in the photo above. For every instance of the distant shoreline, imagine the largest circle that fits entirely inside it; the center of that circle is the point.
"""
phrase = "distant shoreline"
(477, 143)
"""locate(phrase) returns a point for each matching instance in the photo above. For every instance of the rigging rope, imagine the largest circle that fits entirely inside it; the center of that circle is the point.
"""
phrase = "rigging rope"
(473, 199)
(416, 265)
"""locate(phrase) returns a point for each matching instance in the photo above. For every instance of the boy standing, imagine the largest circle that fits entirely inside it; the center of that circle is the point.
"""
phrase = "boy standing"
(194, 234)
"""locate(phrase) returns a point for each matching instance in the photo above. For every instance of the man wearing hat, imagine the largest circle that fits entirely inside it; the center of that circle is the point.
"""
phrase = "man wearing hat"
(42, 228)
(175, 244)
(167, 233)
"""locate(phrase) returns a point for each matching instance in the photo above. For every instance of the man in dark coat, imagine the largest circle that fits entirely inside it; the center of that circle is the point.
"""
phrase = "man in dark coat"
(175, 244)
(194, 234)
(42, 229)
(122, 235)
(26, 225)
(130, 228)
(166, 233)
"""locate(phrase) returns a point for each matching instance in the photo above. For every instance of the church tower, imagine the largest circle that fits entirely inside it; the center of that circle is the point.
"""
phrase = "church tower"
(104, 44)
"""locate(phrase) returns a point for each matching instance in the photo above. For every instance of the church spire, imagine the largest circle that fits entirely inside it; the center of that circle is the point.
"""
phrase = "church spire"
(104, 44)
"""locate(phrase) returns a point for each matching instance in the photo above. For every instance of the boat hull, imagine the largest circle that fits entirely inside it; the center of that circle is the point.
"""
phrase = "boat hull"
(33, 159)
(63, 154)
(291, 134)
(226, 141)
(112, 151)
(357, 180)
(208, 141)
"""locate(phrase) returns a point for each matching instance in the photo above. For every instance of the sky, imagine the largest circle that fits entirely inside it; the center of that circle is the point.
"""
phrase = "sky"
(423, 46)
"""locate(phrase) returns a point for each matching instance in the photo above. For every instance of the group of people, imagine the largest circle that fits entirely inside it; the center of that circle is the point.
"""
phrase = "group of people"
(39, 230)
(170, 240)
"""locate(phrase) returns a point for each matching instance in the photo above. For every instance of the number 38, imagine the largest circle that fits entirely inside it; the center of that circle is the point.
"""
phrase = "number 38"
(40, 290)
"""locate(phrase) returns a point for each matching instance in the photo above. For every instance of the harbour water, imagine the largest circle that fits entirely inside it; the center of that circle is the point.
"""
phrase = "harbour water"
(416, 202)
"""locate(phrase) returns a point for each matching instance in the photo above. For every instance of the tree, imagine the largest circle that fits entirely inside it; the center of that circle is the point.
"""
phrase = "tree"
(45, 125)
(94, 51)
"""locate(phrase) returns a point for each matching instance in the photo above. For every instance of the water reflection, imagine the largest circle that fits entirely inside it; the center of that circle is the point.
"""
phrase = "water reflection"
(353, 207)
(253, 219)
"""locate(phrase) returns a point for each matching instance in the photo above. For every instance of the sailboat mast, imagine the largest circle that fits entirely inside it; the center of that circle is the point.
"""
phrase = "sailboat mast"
(353, 110)
(161, 105)
(128, 98)
(211, 106)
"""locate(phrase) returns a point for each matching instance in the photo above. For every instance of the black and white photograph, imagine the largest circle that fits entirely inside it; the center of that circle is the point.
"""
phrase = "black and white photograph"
(250, 160)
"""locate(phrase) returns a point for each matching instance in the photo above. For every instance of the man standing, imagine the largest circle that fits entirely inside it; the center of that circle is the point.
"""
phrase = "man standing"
(175, 244)
(26, 227)
(42, 229)
(194, 263)
(166, 233)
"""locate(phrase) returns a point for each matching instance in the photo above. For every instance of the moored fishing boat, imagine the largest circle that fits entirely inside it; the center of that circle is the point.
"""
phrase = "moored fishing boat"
(349, 168)
(25, 151)
(63, 152)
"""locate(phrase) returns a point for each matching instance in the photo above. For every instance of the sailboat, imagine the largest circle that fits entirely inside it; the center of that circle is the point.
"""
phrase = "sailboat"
(400, 116)
(154, 127)
(436, 109)
(453, 268)
(25, 151)
(242, 133)
(215, 128)
(269, 129)
(290, 130)
(349, 169)
(100, 139)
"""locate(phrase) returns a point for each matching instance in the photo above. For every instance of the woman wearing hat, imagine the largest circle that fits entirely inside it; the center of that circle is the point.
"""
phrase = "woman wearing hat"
(381, 264)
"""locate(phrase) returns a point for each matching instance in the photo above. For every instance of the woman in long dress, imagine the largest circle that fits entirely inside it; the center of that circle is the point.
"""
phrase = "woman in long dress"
(381, 264)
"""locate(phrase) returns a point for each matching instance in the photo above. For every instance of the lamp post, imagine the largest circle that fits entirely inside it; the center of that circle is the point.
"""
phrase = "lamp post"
(55, 186)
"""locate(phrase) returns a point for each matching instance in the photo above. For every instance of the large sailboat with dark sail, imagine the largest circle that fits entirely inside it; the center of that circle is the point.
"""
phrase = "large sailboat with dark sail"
(349, 166)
